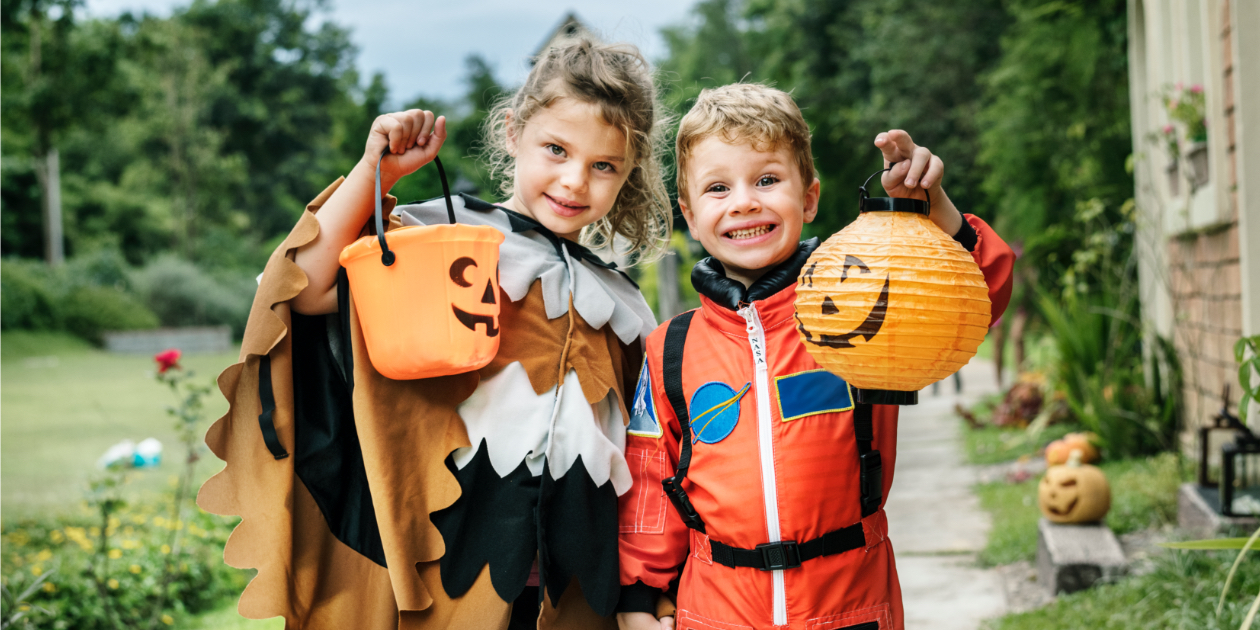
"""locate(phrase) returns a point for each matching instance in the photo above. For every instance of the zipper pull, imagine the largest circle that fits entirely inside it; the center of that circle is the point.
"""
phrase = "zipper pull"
(755, 339)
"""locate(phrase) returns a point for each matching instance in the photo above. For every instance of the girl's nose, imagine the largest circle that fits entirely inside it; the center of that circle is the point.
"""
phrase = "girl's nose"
(573, 177)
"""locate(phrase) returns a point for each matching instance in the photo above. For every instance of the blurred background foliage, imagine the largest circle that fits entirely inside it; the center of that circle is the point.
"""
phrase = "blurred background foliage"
(190, 143)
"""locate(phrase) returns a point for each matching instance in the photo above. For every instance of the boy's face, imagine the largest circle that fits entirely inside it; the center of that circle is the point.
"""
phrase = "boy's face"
(746, 206)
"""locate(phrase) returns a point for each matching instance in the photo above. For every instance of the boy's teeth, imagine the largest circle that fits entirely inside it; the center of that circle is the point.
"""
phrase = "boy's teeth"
(748, 233)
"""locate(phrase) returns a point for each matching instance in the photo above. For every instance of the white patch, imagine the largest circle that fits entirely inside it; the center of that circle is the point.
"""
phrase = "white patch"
(517, 425)
(644, 421)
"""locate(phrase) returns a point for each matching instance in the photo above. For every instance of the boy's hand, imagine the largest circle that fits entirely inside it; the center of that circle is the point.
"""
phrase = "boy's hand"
(643, 621)
(413, 138)
(917, 170)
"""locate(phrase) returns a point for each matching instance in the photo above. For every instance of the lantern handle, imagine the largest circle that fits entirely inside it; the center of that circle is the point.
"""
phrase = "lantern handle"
(863, 195)
(387, 256)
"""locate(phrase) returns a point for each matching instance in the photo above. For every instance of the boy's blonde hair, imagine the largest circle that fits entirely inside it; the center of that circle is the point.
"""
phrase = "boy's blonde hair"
(748, 113)
(616, 78)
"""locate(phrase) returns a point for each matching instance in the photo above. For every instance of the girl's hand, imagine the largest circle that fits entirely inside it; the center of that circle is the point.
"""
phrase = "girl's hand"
(917, 170)
(643, 621)
(412, 137)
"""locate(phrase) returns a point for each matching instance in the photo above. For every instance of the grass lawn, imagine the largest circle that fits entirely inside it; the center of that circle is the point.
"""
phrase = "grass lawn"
(226, 618)
(994, 445)
(1143, 494)
(64, 403)
(1181, 592)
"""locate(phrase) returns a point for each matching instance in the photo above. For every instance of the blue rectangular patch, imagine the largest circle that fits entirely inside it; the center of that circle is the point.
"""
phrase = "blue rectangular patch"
(813, 392)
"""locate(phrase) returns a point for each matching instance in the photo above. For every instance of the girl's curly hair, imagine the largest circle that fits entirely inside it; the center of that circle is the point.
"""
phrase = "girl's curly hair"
(616, 78)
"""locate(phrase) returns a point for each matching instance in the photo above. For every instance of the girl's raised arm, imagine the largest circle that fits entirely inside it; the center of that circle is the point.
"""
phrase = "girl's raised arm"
(412, 139)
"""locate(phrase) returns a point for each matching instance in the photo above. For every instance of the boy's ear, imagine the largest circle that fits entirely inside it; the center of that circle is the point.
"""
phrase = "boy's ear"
(688, 217)
(511, 133)
(811, 200)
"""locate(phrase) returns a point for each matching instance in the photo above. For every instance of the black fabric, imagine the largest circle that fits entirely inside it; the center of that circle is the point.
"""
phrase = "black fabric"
(577, 533)
(343, 323)
(870, 464)
(675, 342)
(869, 625)
(525, 610)
(831, 543)
(267, 400)
(709, 278)
(967, 236)
(638, 597)
(492, 522)
(327, 457)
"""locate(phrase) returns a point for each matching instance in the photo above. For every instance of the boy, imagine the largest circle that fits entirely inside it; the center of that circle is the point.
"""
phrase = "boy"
(755, 510)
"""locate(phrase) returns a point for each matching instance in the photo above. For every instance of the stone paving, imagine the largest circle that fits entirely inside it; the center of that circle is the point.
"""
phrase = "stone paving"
(935, 522)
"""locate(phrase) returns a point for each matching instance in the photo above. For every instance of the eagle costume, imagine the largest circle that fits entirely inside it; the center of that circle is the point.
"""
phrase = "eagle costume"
(373, 503)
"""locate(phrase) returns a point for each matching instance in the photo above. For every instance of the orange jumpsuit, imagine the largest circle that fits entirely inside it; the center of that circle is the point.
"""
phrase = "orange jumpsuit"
(774, 457)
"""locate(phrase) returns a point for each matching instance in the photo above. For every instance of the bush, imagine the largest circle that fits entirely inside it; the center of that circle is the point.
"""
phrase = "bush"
(182, 294)
(137, 541)
(89, 311)
(26, 301)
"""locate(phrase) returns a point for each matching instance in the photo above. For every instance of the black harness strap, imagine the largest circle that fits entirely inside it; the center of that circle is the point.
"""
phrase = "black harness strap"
(268, 400)
(788, 554)
(343, 315)
(871, 479)
(671, 366)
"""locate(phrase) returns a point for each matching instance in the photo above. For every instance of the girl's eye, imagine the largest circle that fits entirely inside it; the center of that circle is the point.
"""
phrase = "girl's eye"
(717, 188)
(555, 149)
(767, 180)
(605, 167)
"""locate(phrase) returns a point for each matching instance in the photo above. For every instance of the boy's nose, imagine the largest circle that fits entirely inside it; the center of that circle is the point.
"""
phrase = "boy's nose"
(744, 200)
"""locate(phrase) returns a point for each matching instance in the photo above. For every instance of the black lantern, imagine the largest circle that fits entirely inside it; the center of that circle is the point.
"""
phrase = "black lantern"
(1240, 462)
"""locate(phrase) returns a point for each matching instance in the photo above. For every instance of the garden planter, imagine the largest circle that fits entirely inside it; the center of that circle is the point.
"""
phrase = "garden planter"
(1197, 162)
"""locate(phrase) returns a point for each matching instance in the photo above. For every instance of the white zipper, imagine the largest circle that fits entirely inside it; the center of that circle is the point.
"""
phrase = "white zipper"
(765, 447)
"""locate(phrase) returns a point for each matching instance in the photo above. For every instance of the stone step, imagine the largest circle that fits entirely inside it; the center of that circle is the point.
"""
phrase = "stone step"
(1074, 557)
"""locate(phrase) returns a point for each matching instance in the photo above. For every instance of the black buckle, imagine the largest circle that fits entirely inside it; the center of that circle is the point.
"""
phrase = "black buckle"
(871, 482)
(776, 556)
(686, 511)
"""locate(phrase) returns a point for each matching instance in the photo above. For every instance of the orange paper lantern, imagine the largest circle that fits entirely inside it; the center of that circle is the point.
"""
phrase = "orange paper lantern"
(891, 303)
(428, 299)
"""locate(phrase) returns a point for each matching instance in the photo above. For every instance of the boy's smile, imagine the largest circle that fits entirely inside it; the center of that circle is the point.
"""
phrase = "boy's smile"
(746, 206)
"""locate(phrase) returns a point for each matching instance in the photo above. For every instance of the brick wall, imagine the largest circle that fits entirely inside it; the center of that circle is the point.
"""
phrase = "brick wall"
(1207, 285)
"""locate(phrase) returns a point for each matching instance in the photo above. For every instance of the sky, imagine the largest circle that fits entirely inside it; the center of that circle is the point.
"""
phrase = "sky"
(420, 46)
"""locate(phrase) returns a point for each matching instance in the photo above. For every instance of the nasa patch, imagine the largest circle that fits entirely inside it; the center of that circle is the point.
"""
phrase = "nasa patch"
(643, 418)
(715, 411)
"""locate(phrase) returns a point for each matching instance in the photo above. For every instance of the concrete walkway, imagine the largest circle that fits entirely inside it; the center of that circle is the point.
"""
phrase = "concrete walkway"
(935, 522)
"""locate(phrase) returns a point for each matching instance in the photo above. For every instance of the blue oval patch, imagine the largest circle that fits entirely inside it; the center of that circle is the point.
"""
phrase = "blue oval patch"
(715, 411)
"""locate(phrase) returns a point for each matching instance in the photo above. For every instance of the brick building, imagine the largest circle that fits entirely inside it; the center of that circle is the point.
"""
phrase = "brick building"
(1198, 203)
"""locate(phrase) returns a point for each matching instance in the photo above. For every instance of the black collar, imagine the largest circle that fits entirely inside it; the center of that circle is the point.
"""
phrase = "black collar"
(709, 278)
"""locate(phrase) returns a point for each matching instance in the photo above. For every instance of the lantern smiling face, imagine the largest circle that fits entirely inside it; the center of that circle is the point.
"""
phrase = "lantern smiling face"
(459, 275)
(892, 303)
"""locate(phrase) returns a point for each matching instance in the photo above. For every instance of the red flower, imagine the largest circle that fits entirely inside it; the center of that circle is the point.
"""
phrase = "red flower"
(167, 359)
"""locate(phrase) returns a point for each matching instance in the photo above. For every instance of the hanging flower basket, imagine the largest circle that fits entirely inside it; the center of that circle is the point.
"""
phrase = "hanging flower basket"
(1197, 163)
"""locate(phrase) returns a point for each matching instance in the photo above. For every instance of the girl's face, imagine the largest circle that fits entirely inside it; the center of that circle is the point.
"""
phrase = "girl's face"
(570, 165)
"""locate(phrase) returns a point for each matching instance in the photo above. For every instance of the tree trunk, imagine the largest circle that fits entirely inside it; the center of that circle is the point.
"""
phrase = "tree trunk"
(48, 172)
(668, 294)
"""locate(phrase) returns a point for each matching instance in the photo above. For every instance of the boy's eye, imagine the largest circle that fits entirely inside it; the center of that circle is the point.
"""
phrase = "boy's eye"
(767, 180)
(604, 167)
(555, 149)
(717, 188)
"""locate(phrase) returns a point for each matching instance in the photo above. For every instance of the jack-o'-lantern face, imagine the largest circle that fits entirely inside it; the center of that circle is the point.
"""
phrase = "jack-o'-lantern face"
(460, 275)
(867, 328)
(1074, 494)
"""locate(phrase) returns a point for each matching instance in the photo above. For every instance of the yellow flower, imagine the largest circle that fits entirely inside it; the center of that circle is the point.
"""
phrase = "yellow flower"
(129, 531)
(19, 537)
(94, 532)
(37, 570)
(138, 519)
(130, 544)
(179, 524)
(166, 549)
(172, 481)
(135, 568)
(44, 555)
(112, 583)
(115, 554)
(168, 620)
(49, 587)
(24, 607)
(114, 521)
(56, 536)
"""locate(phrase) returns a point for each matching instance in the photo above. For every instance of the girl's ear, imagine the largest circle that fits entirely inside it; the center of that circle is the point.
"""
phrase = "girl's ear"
(511, 132)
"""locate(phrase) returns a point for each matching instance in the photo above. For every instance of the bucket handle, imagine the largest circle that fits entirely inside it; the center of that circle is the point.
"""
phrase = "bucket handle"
(863, 195)
(388, 256)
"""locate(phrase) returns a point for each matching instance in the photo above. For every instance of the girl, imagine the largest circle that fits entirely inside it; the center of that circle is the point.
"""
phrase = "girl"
(479, 500)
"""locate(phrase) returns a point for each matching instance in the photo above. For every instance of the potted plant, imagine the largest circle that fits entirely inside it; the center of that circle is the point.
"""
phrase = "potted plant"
(1188, 107)
(1167, 136)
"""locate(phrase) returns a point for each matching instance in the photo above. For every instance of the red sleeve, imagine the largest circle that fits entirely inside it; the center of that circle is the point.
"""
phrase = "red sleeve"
(653, 541)
(996, 261)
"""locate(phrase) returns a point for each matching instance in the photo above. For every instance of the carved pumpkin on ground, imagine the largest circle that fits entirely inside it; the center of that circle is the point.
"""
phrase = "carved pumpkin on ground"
(891, 303)
(1058, 451)
(427, 299)
(1074, 492)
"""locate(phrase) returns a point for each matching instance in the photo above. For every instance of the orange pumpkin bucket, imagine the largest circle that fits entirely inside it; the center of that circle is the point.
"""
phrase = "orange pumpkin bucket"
(428, 299)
